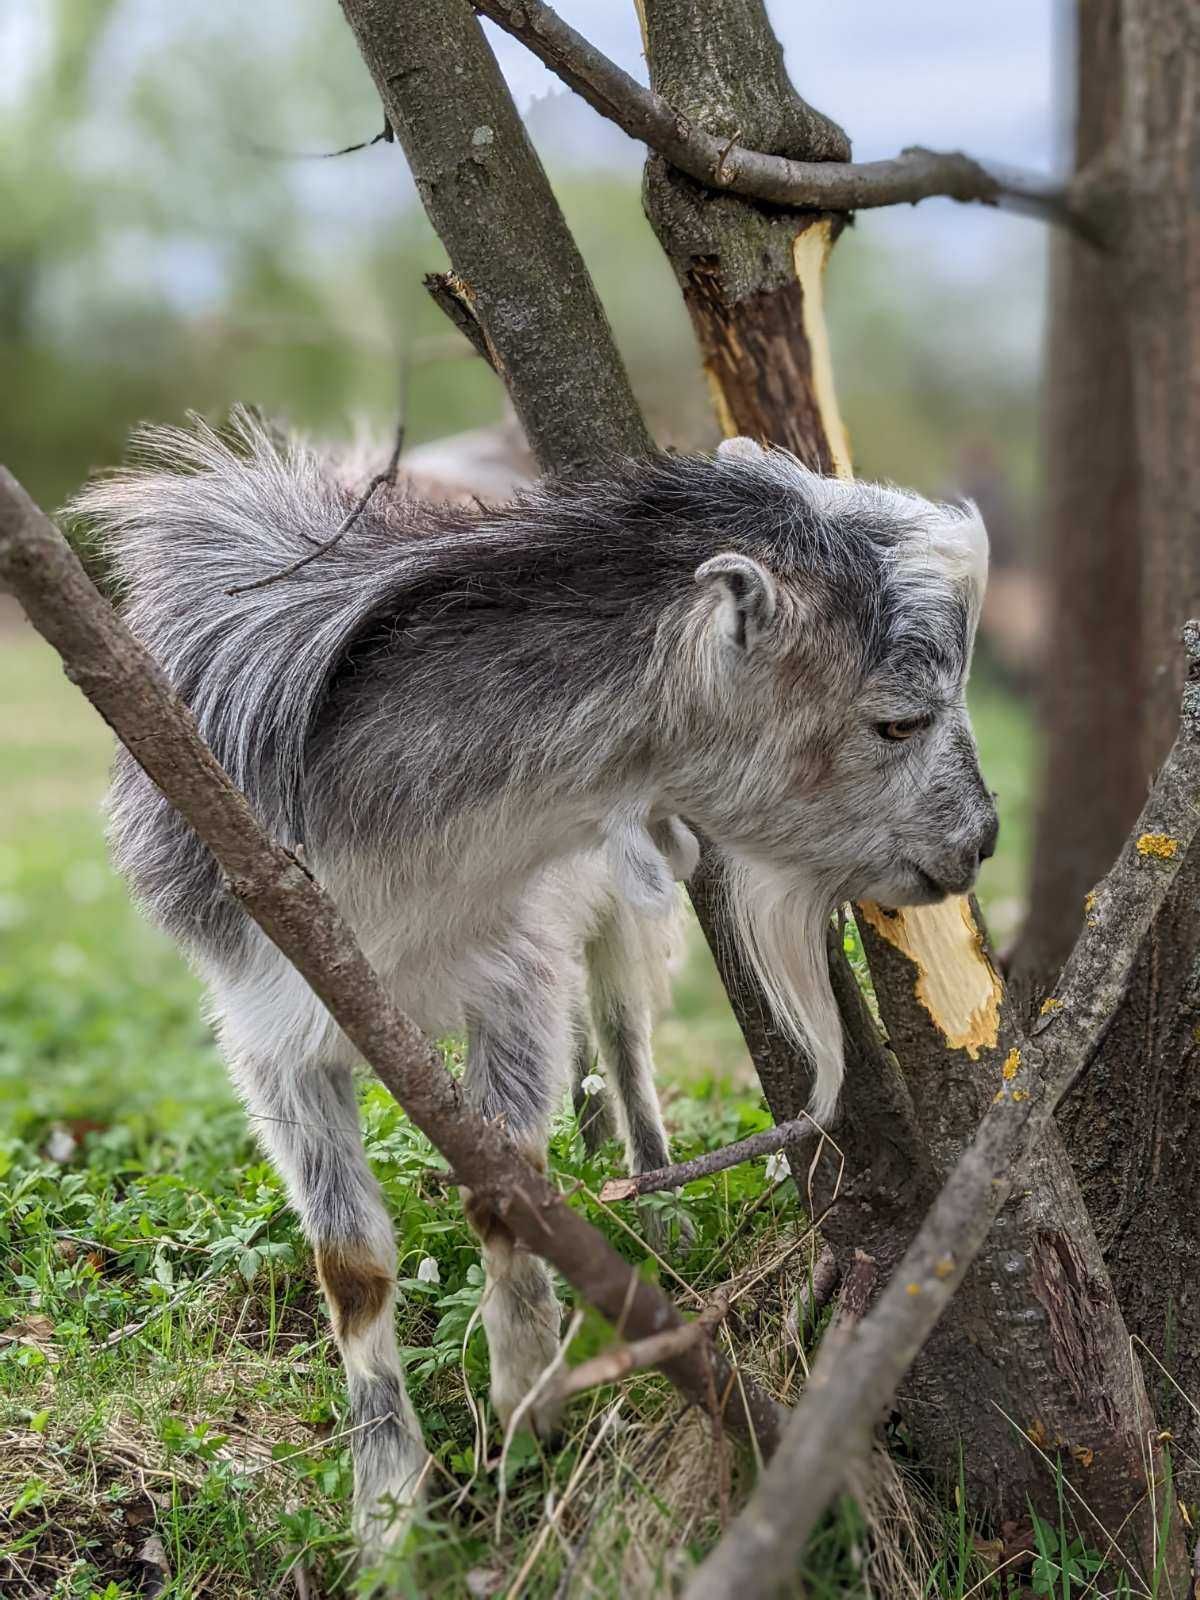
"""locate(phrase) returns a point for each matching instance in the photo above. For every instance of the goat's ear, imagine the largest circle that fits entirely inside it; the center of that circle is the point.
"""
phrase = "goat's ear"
(748, 600)
(740, 449)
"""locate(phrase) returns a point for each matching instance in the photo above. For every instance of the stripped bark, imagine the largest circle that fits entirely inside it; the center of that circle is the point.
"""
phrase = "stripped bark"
(129, 690)
(855, 1377)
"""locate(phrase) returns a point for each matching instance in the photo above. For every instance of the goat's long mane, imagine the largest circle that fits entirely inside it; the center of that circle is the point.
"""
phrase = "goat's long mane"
(782, 923)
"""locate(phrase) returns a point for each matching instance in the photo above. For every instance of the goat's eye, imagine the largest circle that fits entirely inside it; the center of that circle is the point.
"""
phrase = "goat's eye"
(903, 728)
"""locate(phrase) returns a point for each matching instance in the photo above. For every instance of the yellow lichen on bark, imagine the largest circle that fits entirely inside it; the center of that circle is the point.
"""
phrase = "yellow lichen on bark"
(1160, 845)
(954, 981)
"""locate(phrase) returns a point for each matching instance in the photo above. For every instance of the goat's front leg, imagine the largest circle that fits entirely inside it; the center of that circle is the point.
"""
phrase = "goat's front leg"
(516, 1060)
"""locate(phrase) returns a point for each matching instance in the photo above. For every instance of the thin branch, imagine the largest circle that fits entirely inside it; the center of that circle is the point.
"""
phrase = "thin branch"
(831, 1428)
(622, 1360)
(388, 476)
(274, 153)
(729, 1155)
(914, 175)
(129, 689)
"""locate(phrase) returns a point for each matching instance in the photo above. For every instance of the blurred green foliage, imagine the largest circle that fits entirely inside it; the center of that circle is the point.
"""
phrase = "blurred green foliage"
(163, 247)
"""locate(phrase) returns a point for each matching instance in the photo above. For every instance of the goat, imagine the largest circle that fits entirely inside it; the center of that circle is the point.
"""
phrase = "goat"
(483, 728)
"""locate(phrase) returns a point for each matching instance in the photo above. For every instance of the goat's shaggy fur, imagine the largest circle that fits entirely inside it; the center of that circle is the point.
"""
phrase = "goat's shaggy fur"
(483, 728)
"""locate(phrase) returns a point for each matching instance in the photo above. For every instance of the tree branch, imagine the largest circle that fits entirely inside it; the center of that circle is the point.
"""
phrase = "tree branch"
(831, 1427)
(610, 1366)
(914, 175)
(730, 1155)
(131, 693)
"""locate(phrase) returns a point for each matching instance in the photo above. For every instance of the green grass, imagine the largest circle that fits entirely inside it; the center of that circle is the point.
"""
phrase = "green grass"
(165, 1361)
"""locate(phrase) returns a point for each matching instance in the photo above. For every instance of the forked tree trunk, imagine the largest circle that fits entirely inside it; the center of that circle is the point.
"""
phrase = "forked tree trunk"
(1033, 1350)
(1133, 1123)
(752, 279)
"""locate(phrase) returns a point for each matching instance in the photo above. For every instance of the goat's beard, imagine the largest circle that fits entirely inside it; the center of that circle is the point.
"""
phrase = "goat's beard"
(782, 921)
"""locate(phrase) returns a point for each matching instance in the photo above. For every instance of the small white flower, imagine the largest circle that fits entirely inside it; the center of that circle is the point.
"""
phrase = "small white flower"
(592, 1084)
(777, 1167)
(428, 1272)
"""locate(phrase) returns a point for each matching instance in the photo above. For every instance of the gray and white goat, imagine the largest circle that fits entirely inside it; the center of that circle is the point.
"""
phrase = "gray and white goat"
(483, 728)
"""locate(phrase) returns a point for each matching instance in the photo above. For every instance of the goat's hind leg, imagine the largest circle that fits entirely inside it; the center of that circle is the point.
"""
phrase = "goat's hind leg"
(593, 1105)
(627, 963)
(304, 1113)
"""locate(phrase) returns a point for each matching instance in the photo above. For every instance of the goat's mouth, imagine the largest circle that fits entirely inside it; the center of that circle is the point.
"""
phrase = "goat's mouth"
(929, 884)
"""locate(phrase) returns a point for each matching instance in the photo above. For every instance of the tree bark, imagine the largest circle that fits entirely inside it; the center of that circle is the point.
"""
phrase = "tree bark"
(1091, 690)
(1133, 1124)
(1014, 1344)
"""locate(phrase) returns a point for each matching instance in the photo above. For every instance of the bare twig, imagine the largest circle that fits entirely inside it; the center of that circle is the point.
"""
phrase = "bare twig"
(274, 153)
(610, 1366)
(830, 1430)
(914, 175)
(730, 1155)
(388, 476)
(129, 690)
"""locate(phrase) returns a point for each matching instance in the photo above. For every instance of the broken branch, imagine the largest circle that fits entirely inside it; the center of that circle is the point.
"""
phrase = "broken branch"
(914, 175)
(730, 1155)
(610, 1366)
(830, 1429)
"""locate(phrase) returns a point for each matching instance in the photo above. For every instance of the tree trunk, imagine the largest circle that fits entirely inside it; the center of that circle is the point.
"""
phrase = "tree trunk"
(1091, 690)
(1133, 1123)
(1033, 1344)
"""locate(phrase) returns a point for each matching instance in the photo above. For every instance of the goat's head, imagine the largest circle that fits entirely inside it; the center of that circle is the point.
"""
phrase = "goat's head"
(827, 647)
